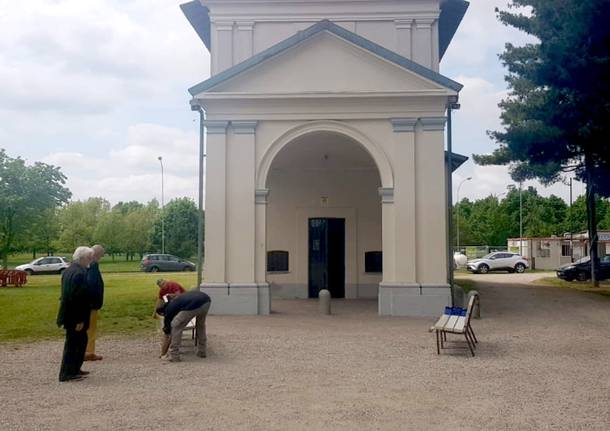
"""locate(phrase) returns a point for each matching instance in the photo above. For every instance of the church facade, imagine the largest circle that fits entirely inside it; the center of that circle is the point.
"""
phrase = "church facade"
(326, 162)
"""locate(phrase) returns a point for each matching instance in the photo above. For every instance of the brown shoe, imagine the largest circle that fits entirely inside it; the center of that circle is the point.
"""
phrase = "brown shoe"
(92, 357)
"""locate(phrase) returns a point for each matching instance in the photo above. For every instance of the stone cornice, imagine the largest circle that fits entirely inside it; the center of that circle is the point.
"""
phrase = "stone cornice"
(387, 195)
(433, 124)
(402, 125)
(244, 127)
(260, 196)
(215, 127)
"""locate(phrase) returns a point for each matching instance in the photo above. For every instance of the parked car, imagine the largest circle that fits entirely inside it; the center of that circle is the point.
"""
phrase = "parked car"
(45, 265)
(165, 262)
(498, 261)
(581, 269)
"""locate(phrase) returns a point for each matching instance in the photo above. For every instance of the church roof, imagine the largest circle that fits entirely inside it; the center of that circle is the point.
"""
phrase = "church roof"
(452, 12)
(326, 25)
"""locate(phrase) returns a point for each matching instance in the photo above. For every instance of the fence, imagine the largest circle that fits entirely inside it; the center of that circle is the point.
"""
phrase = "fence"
(476, 251)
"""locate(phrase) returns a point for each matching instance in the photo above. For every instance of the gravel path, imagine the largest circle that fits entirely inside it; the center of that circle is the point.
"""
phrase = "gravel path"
(542, 364)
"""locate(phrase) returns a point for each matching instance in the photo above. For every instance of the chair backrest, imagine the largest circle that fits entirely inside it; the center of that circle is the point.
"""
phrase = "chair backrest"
(469, 308)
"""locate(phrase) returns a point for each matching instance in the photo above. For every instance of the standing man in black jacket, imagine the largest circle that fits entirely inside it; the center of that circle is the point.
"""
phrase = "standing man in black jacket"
(74, 312)
(96, 288)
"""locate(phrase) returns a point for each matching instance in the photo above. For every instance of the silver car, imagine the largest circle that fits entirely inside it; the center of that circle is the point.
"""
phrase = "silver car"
(45, 265)
(498, 261)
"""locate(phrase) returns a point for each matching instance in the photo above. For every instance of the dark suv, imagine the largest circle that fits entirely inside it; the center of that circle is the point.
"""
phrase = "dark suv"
(581, 269)
(165, 262)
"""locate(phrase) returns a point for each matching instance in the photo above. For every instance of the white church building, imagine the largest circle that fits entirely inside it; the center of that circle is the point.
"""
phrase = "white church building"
(326, 162)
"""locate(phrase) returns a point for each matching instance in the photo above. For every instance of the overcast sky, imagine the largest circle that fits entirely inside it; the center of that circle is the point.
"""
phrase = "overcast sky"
(99, 87)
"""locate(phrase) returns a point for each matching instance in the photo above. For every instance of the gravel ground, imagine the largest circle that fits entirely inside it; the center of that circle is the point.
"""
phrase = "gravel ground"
(542, 364)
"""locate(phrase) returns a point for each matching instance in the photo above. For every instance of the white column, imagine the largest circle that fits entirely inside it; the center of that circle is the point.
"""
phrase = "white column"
(215, 202)
(430, 198)
(222, 57)
(244, 41)
(403, 37)
(388, 238)
(404, 199)
(422, 43)
(240, 202)
(261, 235)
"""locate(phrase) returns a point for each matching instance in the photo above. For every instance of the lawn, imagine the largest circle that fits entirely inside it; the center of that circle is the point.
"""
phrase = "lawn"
(29, 313)
(603, 289)
(108, 264)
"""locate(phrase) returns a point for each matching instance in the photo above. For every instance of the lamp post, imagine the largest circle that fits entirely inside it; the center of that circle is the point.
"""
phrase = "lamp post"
(521, 221)
(457, 210)
(162, 209)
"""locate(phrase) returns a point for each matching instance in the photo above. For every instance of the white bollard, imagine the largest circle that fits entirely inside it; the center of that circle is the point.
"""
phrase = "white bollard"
(324, 301)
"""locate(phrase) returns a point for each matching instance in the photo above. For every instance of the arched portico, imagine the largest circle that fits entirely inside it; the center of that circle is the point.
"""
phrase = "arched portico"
(374, 149)
(321, 186)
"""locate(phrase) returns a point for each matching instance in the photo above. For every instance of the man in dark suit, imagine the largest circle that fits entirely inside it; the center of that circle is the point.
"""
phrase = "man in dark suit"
(74, 313)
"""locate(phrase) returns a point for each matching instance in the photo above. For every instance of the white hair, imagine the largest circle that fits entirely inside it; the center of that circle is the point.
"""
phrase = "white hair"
(81, 253)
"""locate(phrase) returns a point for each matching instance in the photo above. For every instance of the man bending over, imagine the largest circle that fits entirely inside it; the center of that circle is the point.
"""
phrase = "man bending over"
(177, 313)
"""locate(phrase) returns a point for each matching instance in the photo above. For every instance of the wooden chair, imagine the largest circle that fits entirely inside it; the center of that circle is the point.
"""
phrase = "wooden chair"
(455, 320)
(13, 277)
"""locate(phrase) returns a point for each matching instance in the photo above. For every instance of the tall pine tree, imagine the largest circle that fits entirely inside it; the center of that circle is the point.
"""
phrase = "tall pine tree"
(557, 114)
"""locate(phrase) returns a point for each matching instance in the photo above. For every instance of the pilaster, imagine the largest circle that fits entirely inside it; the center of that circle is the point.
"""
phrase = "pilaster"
(215, 202)
(243, 41)
(403, 37)
(222, 55)
(422, 43)
(240, 202)
(404, 198)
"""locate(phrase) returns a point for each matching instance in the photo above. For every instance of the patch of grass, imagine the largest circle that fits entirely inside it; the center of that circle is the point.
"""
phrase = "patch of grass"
(28, 313)
(603, 289)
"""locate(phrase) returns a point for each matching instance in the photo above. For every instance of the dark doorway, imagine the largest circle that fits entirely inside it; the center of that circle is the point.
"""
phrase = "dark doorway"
(327, 256)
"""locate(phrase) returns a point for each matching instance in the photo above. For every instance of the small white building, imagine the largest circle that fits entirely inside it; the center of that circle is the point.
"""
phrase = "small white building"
(325, 151)
(552, 252)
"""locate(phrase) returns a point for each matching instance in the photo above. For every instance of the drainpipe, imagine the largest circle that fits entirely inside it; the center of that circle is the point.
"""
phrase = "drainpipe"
(451, 104)
(196, 107)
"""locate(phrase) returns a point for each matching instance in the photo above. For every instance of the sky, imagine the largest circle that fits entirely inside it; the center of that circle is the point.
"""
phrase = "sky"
(99, 88)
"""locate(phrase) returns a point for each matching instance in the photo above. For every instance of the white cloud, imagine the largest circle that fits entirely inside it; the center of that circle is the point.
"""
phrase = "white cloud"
(93, 56)
(133, 172)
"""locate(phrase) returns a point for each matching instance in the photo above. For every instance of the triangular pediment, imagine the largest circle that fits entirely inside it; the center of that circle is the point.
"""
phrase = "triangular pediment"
(327, 59)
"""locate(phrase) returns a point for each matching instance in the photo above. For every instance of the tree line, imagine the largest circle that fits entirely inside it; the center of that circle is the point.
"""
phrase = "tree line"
(36, 216)
(491, 221)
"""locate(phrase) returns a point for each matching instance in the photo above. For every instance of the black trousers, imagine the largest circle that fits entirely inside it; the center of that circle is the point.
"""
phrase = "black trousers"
(74, 353)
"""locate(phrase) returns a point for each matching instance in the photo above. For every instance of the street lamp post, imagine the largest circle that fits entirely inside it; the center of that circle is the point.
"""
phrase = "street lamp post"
(162, 209)
(521, 221)
(457, 210)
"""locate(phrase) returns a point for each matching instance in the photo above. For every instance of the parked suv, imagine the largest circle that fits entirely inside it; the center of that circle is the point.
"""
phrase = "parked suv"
(581, 269)
(45, 265)
(498, 261)
(165, 262)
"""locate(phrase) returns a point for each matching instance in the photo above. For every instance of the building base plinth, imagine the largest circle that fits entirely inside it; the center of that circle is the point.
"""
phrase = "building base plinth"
(396, 299)
(238, 298)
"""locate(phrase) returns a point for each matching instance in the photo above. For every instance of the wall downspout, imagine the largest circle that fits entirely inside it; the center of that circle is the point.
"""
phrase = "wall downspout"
(200, 248)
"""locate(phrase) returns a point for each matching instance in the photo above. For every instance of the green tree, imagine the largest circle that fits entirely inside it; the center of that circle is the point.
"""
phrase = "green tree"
(43, 233)
(180, 228)
(26, 191)
(79, 220)
(556, 115)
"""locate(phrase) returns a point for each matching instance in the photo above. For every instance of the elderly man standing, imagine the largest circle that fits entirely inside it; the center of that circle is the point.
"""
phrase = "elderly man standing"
(74, 313)
(96, 289)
